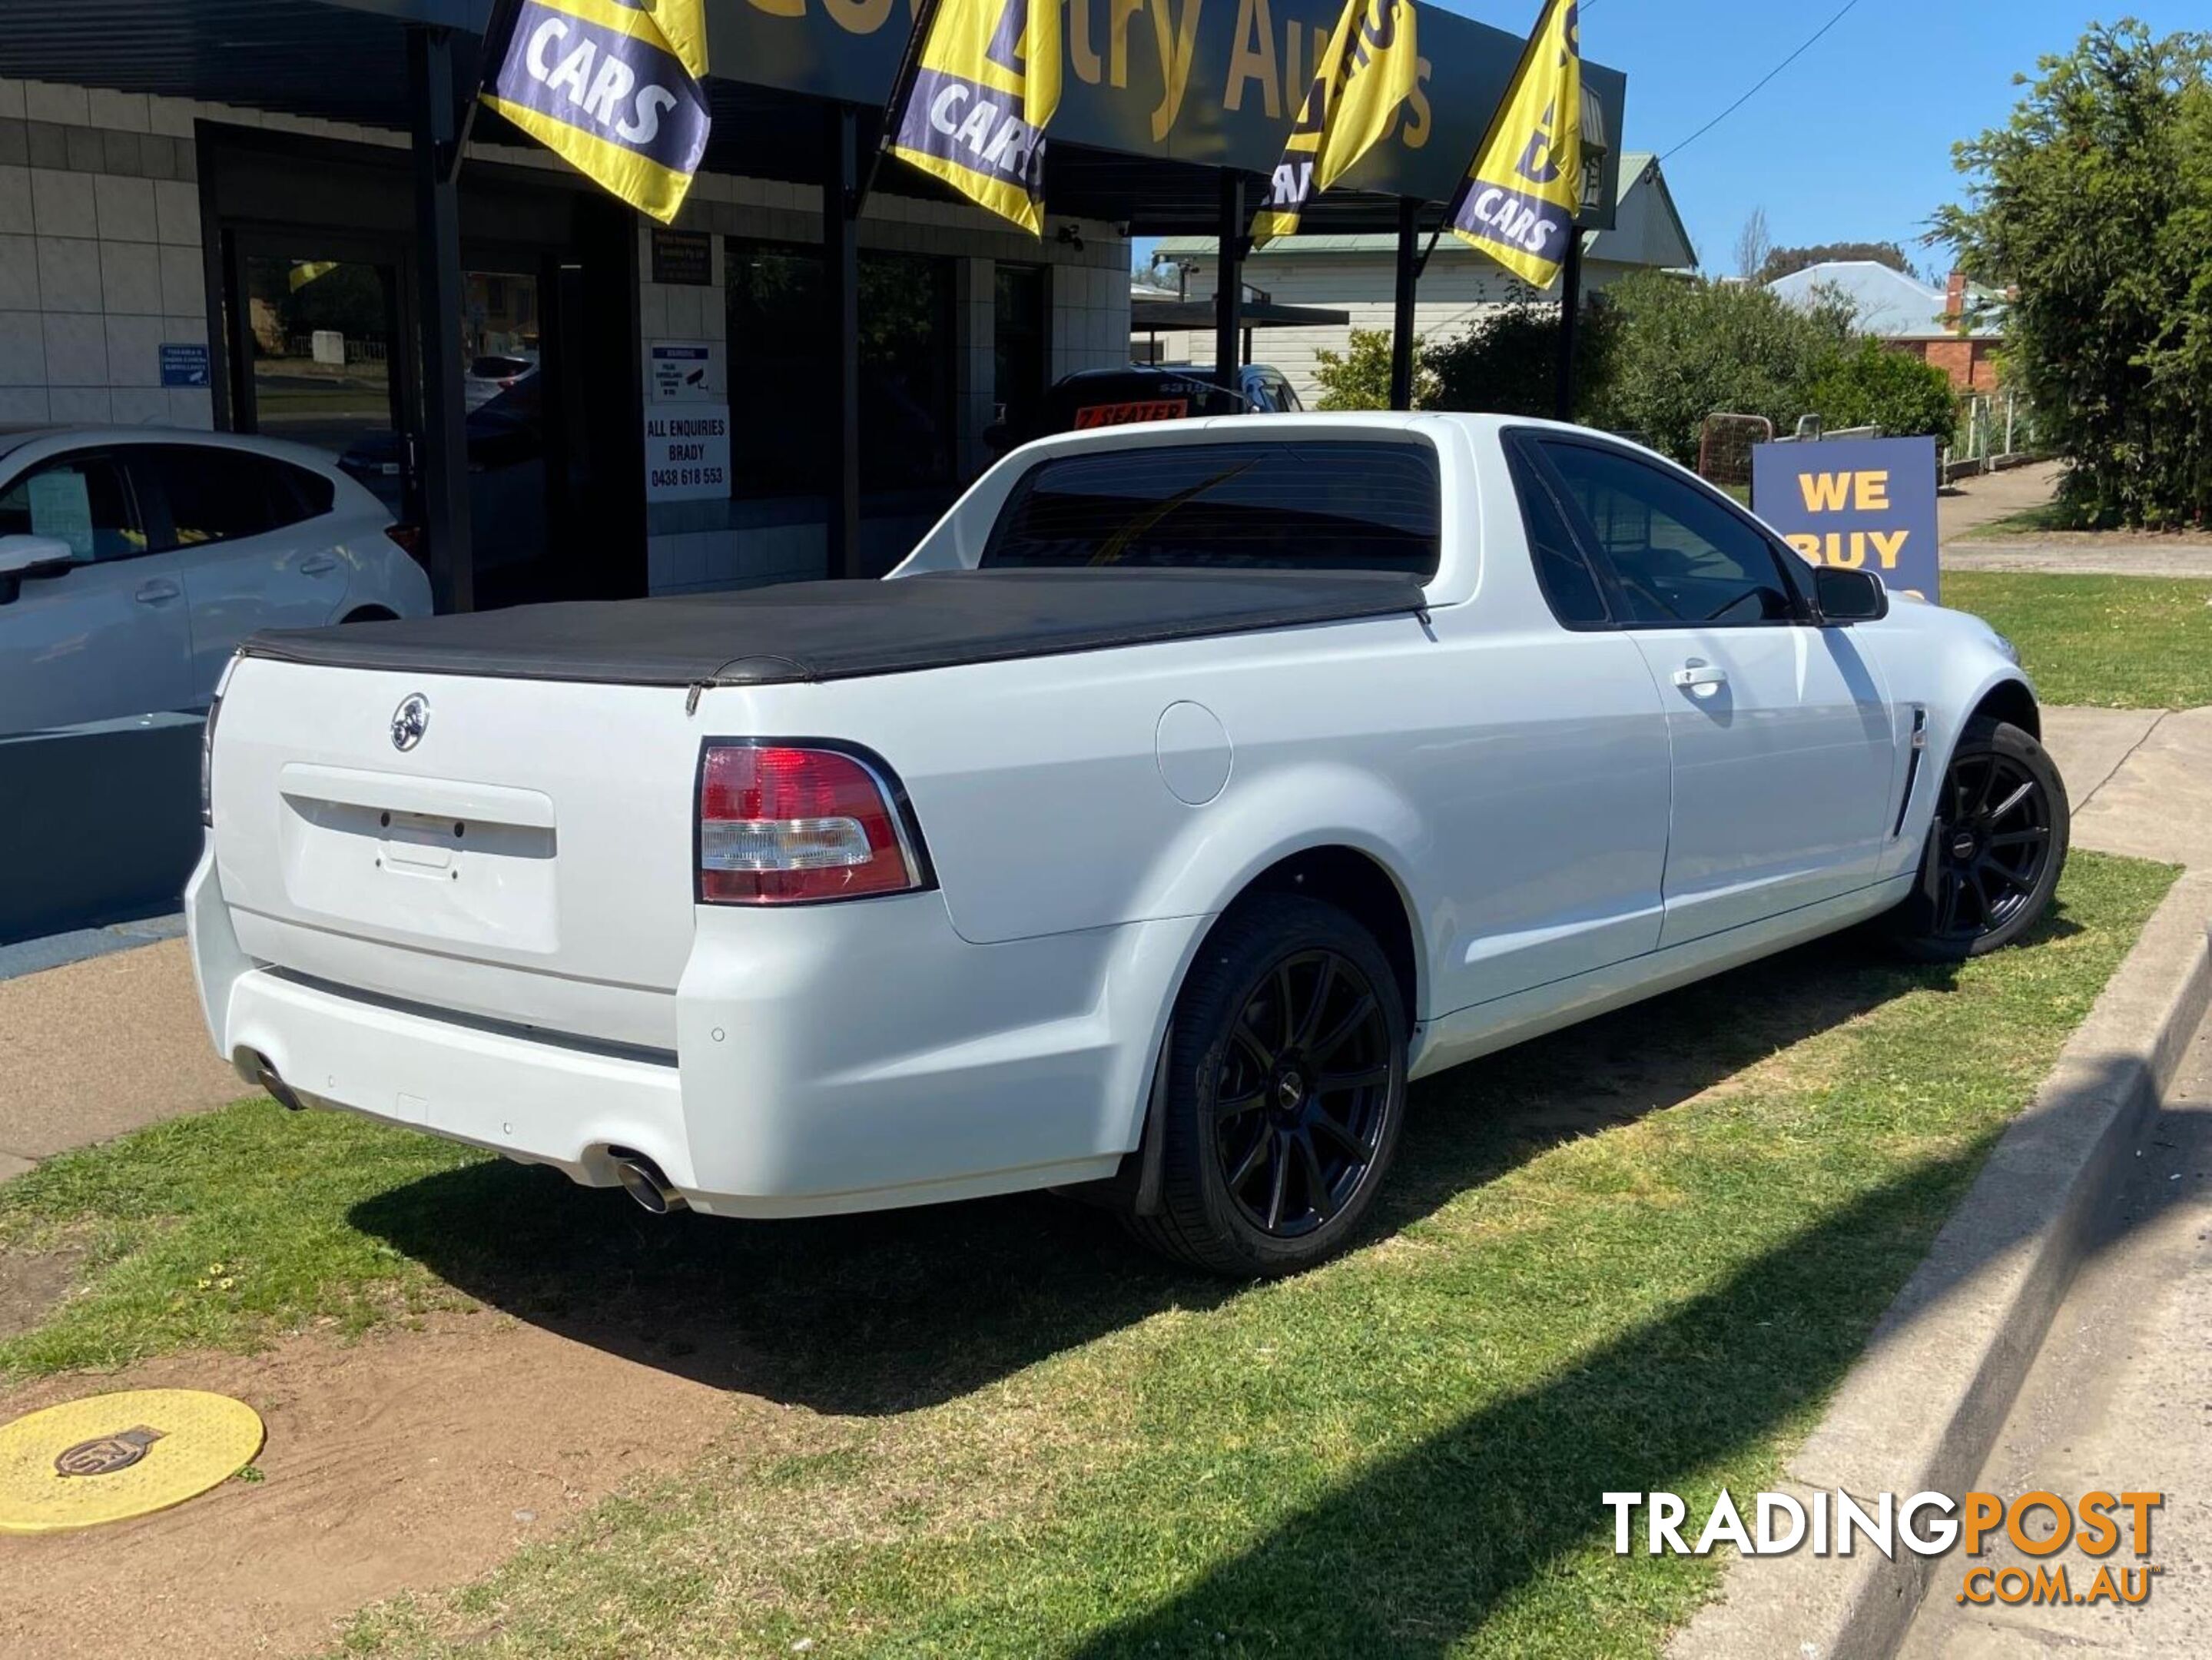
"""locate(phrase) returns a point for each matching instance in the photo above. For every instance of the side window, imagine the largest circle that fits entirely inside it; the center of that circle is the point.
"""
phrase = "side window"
(217, 494)
(1286, 396)
(82, 500)
(1679, 556)
(1562, 570)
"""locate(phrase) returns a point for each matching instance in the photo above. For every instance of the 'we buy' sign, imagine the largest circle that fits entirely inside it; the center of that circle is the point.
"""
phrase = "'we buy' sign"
(1869, 504)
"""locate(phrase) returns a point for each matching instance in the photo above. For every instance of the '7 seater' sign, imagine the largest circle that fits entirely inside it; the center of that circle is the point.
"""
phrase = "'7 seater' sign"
(1869, 504)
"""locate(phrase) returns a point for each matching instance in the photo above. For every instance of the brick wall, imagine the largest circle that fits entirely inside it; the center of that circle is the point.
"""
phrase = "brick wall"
(1971, 364)
(100, 256)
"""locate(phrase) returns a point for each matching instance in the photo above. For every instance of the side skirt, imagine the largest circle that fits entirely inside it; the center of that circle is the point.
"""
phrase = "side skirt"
(1470, 1033)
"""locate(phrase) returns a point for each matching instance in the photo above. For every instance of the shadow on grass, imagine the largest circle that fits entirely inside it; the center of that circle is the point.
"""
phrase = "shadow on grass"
(885, 1312)
(1423, 1548)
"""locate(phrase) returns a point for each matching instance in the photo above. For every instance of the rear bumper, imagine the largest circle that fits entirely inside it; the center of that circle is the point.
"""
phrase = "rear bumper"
(833, 1058)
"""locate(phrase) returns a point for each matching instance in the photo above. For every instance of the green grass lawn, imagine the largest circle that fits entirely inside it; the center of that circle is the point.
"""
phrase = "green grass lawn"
(2137, 642)
(1639, 1255)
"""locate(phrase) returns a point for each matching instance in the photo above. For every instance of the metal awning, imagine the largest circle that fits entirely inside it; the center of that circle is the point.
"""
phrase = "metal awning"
(1153, 314)
(1140, 153)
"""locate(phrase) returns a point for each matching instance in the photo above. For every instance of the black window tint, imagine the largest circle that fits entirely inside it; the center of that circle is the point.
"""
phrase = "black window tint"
(1680, 556)
(79, 500)
(312, 494)
(1562, 570)
(779, 341)
(216, 495)
(1260, 506)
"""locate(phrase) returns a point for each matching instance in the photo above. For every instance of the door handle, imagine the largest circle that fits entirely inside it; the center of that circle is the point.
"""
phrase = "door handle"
(157, 590)
(1700, 680)
(316, 564)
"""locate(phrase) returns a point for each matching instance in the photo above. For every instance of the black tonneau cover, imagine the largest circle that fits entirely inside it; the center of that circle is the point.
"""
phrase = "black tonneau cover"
(808, 631)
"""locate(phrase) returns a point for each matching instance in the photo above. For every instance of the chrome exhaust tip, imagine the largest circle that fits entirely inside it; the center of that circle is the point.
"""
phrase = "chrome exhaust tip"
(642, 1180)
(265, 1076)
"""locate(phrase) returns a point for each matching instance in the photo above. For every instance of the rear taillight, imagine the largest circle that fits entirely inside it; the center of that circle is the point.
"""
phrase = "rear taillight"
(788, 824)
(407, 538)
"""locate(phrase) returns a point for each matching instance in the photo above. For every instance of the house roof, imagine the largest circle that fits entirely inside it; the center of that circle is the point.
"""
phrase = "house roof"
(1648, 229)
(1888, 303)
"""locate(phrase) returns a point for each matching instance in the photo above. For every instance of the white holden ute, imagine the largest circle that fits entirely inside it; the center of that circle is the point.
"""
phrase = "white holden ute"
(1186, 794)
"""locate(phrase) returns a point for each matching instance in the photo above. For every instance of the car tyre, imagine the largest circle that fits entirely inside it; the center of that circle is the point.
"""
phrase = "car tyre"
(1287, 1087)
(1995, 849)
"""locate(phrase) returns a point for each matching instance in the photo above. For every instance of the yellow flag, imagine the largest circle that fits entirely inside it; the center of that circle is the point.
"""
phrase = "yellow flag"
(1366, 71)
(985, 86)
(613, 88)
(1517, 202)
(683, 24)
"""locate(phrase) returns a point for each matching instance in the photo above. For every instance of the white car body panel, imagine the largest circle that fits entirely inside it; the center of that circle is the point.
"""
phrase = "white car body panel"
(1567, 829)
(130, 636)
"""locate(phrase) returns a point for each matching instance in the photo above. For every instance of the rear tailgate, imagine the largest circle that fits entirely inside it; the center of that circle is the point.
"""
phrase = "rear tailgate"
(527, 858)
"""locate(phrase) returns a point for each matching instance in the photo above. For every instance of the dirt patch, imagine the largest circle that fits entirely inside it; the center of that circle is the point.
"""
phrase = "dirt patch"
(31, 1283)
(407, 1461)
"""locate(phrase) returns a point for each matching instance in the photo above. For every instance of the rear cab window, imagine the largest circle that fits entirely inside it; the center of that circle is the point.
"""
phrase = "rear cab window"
(1315, 505)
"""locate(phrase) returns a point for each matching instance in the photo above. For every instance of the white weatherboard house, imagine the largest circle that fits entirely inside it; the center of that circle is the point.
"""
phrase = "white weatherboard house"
(1357, 275)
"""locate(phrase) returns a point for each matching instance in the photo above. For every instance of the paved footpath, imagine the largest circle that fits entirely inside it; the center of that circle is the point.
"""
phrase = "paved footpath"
(96, 1047)
(2119, 1399)
(1973, 502)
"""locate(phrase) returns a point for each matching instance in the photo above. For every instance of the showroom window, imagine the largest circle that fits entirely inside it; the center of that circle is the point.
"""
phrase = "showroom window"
(781, 394)
(1018, 341)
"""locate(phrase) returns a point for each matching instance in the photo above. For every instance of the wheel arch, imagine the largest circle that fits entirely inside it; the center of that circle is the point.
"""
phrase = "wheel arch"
(369, 613)
(1353, 878)
(2012, 702)
(1359, 885)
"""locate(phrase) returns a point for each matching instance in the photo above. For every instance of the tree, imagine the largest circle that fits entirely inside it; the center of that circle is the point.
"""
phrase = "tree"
(2093, 202)
(1358, 378)
(1753, 246)
(1687, 348)
(1781, 262)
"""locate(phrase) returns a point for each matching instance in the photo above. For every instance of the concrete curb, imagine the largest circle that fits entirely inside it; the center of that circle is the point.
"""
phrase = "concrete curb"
(1921, 1408)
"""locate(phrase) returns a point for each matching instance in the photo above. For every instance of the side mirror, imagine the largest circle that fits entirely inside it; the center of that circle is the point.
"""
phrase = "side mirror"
(34, 555)
(1845, 596)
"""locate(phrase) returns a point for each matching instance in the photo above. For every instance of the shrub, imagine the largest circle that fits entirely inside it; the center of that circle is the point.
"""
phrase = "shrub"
(1685, 348)
(1507, 361)
(1360, 378)
(1870, 385)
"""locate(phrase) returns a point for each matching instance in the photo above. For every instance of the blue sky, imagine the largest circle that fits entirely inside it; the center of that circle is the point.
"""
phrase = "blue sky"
(1852, 142)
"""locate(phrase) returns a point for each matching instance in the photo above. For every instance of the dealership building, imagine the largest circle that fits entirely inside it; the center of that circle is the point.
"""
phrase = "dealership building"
(284, 218)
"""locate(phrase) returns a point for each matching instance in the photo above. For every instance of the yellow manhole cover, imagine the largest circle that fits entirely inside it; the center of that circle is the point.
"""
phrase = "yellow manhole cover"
(116, 1456)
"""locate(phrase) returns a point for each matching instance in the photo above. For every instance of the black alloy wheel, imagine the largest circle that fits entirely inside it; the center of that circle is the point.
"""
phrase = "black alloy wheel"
(1285, 1090)
(1300, 1093)
(1995, 850)
(1992, 839)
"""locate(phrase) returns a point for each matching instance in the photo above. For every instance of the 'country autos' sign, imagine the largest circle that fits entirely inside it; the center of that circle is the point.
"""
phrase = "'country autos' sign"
(1868, 503)
(1217, 82)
